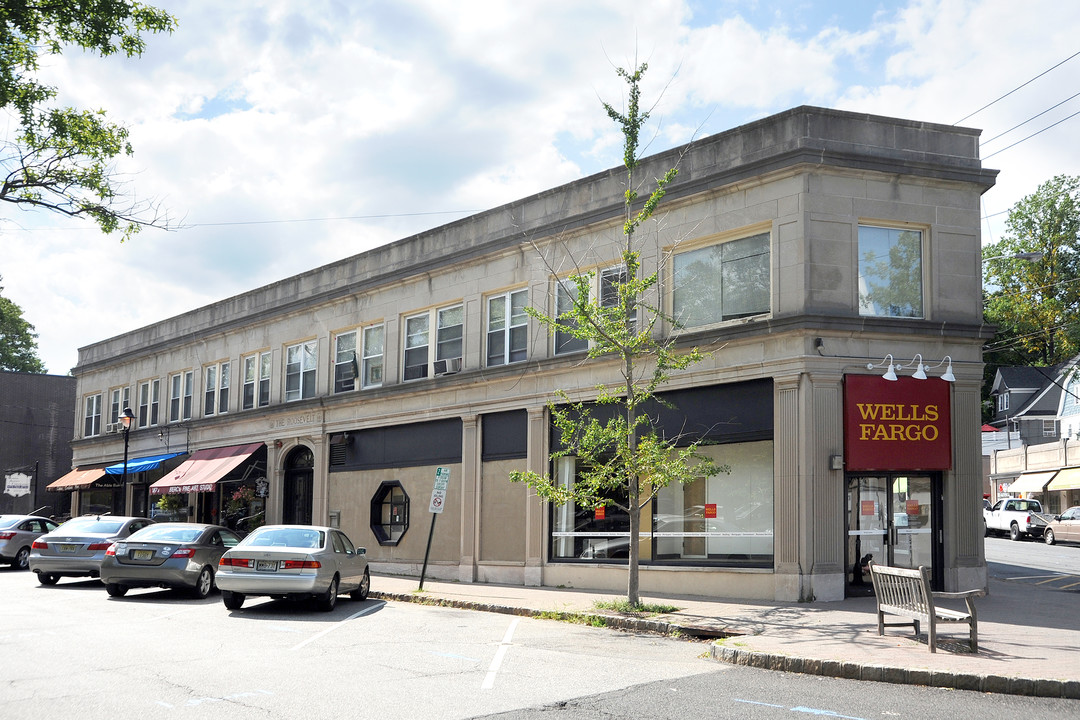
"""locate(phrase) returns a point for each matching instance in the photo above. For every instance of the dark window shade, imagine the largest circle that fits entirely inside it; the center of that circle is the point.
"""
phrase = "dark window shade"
(504, 436)
(414, 445)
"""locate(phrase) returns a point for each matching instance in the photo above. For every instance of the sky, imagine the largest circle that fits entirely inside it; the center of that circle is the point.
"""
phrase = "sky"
(282, 135)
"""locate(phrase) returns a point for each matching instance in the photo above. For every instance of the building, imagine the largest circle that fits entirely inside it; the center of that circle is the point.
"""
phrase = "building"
(1027, 401)
(809, 254)
(1045, 464)
(37, 414)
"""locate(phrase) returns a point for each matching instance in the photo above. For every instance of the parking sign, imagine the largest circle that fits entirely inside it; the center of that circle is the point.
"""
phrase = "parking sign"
(438, 492)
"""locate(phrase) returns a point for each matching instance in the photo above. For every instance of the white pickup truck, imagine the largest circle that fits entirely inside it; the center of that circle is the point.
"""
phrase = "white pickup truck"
(1016, 516)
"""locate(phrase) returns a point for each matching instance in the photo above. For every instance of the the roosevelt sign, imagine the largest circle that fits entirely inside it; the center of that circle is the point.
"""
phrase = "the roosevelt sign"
(896, 425)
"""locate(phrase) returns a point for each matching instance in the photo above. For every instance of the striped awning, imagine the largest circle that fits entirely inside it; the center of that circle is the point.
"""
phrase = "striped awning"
(76, 480)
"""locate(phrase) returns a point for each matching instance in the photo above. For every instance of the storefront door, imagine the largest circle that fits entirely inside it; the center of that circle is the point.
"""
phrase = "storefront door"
(298, 487)
(891, 520)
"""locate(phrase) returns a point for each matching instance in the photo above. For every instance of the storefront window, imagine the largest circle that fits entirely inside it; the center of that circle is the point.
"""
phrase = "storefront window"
(726, 519)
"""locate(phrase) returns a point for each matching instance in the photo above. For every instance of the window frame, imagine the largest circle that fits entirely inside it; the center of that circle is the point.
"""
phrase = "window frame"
(445, 335)
(149, 399)
(565, 295)
(346, 369)
(92, 415)
(306, 373)
(714, 244)
(382, 500)
(372, 361)
(216, 389)
(865, 304)
(510, 353)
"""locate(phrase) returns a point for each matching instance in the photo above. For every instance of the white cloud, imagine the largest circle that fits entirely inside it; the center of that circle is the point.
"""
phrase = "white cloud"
(270, 112)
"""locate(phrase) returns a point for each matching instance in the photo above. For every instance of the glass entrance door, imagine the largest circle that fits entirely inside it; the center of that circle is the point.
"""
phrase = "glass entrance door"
(890, 520)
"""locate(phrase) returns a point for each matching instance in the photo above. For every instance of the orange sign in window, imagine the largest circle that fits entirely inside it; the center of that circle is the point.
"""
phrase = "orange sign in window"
(912, 507)
(710, 510)
(601, 512)
(869, 507)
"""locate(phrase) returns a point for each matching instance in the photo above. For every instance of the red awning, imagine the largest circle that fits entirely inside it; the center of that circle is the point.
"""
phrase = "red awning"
(990, 428)
(201, 471)
(76, 480)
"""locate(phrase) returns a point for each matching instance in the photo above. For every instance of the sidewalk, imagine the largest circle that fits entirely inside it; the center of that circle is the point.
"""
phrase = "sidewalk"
(1029, 638)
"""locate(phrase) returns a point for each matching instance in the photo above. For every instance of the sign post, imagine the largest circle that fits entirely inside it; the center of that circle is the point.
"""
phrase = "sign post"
(435, 507)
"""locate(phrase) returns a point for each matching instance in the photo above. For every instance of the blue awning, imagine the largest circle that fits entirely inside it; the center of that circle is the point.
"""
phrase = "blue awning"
(135, 465)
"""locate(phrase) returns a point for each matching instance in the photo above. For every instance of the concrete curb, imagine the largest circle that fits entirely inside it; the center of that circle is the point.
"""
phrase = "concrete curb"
(773, 661)
(902, 676)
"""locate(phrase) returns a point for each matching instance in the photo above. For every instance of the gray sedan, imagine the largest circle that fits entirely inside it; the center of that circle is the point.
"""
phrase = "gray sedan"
(294, 562)
(17, 534)
(171, 555)
(77, 547)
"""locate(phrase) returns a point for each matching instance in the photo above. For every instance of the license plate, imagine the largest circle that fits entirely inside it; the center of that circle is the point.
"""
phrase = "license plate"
(67, 548)
(142, 554)
(266, 565)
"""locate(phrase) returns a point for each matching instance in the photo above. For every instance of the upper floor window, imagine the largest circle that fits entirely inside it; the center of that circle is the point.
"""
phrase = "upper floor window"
(149, 403)
(721, 282)
(92, 416)
(301, 362)
(216, 389)
(449, 326)
(1003, 402)
(345, 362)
(114, 406)
(507, 328)
(181, 387)
(890, 272)
(373, 356)
(256, 381)
(604, 285)
(566, 294)
(1050, 428)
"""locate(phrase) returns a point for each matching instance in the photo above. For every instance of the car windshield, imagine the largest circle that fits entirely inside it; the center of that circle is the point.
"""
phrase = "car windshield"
(164, 533)
(285, 537)
(92, 525)
(1028, 506)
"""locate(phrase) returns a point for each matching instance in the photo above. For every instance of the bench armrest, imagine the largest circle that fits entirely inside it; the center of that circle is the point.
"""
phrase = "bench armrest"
(959, 595)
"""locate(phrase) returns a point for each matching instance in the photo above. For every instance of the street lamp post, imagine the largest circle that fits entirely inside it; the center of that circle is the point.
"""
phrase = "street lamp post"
(125, 419)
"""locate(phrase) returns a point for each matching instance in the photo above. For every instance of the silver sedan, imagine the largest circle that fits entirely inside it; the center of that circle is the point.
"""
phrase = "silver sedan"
(17, 534)
(294, 562)
(172, 555)
(77, 547)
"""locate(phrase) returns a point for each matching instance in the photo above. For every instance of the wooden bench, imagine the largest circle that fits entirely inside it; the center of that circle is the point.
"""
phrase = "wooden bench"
(906, 592)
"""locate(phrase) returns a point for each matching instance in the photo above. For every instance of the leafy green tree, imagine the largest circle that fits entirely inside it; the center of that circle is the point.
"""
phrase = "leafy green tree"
(61, 158)
(1036, 303)
(622, 461)
(18, 342)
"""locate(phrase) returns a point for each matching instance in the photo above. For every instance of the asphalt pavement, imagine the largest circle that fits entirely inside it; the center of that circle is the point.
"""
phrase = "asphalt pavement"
(1029, 637)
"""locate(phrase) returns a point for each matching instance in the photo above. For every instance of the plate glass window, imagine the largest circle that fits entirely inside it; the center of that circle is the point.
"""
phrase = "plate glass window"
(507, 331)
(720, 282)
(300, 363)
(890, 272)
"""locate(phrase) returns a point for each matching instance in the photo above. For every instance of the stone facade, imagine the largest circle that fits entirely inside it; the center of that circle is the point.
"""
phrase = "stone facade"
(806, 180)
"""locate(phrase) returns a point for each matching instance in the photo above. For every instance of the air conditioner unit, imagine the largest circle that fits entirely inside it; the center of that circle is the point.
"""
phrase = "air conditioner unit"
(448, 367)
(112, 427)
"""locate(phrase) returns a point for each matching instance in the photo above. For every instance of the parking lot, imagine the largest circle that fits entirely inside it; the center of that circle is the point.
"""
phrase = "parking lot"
(69, 650)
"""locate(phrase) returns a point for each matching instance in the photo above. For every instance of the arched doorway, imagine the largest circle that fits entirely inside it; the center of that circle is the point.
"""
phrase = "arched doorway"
(298, 487)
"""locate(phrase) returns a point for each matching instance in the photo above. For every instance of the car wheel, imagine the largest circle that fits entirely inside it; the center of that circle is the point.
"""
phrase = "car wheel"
(232, 600)
(329, 600)
(22, 559)
(1048, 536)
(115, 590)
(1014, 532)
(204, 584)
(48, 578)
(361, 593)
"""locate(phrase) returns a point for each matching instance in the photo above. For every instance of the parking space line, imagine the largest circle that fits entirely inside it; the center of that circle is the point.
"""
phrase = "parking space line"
(378, 604)
(489, 680)
(1053, 579)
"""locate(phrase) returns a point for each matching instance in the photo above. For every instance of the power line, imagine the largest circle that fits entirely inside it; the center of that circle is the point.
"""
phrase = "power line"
(997, 152)
(987, 142)
(1017, 88)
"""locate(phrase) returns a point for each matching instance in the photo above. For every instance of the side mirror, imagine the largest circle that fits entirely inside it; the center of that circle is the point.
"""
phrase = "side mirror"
(361, 551)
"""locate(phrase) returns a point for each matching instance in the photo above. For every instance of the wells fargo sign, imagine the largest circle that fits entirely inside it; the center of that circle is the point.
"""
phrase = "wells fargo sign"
(896, 425)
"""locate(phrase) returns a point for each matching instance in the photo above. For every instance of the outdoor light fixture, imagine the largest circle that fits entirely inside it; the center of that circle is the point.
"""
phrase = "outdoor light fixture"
(890, 374)
(125, 419)
(917, 363)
